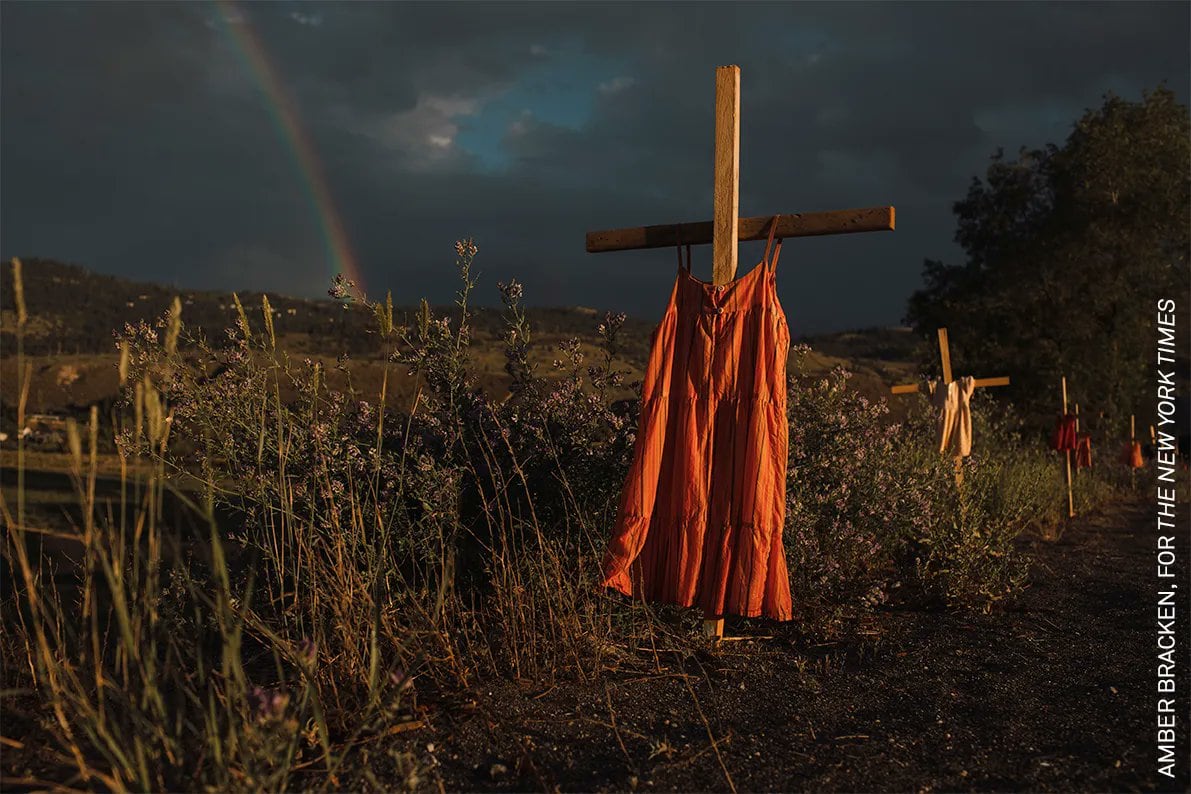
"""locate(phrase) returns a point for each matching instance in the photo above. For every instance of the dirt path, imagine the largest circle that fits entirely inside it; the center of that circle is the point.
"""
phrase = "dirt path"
(1056, 692)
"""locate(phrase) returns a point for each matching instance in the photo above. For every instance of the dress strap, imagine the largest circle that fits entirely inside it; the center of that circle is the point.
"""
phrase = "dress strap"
(771, 263)
(678, 250)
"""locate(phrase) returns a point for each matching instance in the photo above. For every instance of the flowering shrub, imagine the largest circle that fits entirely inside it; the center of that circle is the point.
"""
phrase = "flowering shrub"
(857, 488)
(872, 506)
(964, 552)
(574, 448)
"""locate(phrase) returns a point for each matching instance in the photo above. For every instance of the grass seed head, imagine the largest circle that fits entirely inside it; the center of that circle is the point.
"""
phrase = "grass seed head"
(18, 291)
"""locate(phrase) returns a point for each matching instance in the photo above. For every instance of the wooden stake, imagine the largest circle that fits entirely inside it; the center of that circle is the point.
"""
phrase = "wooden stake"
(1070, 496)
(1132, 441)
(726, 216)
(1075, 471)
(945, 353)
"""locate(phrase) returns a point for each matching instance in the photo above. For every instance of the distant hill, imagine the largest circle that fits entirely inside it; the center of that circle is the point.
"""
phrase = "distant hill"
(887, 351)
(73, 313)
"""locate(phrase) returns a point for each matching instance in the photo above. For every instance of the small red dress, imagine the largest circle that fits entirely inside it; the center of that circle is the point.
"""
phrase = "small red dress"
(1063, 439)
(1132, 457)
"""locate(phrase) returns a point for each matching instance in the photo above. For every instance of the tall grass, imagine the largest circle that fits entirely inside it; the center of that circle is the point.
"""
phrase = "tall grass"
(355, 560)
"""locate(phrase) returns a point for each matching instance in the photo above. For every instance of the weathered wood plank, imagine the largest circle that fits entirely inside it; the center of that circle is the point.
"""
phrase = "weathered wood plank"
(981, 383)
(726, 213)
(1070, 493)
(945, 352)
(806, 224)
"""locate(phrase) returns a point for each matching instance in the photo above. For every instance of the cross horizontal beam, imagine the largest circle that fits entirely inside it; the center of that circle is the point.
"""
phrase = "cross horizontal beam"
(910, 388)
(807, 224)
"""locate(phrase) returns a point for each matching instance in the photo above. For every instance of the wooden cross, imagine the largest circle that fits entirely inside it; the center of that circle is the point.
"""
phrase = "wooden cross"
(1132, 441)
(1077, 439)
(727, 229)
(981, 383)
(1070, 496)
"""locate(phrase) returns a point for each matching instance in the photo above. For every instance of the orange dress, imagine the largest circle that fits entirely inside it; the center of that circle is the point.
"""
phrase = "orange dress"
(701, 513)
(1136, 461)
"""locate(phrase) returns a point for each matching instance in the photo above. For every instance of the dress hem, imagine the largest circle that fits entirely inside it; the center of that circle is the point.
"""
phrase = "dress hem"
(621, 583)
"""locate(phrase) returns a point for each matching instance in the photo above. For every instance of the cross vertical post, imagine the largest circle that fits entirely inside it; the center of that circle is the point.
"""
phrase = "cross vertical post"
(1132, 441)
(1077, 441)
(945, 354)
(1070, 497)
(726, 212)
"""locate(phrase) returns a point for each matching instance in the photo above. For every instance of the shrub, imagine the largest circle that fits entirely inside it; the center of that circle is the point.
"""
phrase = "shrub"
(848, 500)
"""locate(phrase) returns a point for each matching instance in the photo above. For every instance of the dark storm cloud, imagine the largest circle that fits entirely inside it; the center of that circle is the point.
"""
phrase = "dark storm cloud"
(137, 140)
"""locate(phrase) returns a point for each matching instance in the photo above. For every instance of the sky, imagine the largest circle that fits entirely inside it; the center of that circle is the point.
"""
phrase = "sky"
(268, 146)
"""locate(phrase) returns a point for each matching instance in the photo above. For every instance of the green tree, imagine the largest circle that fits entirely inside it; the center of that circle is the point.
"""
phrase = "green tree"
(1068, 250)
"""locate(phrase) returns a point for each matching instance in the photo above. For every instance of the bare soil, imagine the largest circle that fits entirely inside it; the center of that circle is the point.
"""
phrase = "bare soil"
(1053, 692)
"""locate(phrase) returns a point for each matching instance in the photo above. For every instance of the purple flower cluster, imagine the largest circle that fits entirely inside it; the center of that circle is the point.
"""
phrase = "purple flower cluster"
(267, 704)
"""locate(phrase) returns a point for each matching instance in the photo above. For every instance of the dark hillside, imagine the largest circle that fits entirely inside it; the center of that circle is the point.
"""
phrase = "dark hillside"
(73, 314)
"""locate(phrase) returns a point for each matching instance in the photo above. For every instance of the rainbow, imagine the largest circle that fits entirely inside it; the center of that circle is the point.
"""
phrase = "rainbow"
(289, 124)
